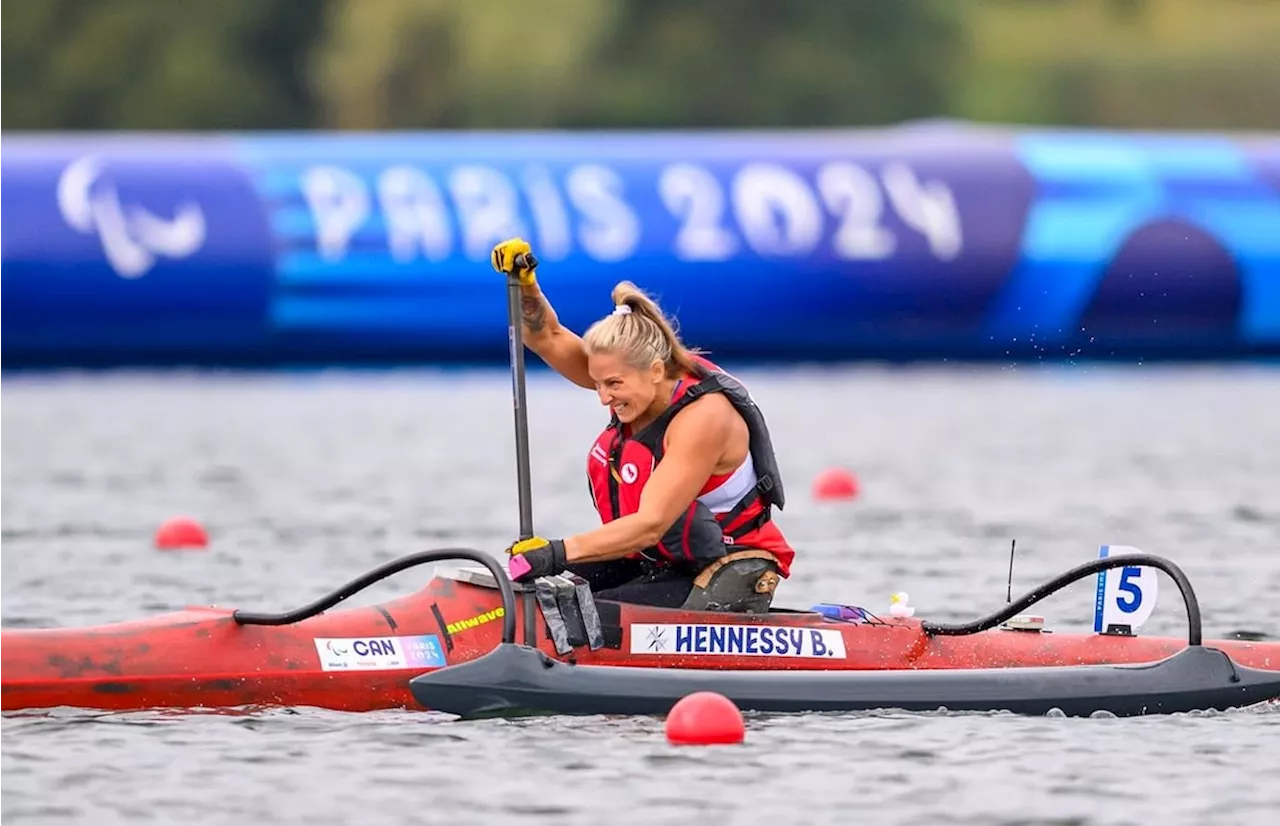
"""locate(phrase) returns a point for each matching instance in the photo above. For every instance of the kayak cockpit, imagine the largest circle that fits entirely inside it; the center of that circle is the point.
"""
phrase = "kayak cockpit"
(483, 578)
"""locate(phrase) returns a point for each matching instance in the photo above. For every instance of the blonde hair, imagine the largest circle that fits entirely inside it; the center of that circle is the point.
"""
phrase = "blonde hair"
(640, 332)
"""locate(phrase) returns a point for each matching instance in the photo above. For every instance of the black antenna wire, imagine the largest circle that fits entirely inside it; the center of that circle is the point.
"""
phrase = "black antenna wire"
(1008, 598)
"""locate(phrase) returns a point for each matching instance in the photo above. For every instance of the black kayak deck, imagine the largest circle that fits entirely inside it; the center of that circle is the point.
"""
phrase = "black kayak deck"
(515, 679)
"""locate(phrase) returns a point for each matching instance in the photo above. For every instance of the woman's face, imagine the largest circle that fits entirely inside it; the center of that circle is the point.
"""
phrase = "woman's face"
(624, 389)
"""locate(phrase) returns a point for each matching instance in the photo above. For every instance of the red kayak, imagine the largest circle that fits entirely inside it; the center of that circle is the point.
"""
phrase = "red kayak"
(361, 659)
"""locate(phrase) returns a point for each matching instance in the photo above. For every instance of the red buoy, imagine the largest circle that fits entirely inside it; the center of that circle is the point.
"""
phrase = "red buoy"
(835, 483)
(181, 532)
(705, 718)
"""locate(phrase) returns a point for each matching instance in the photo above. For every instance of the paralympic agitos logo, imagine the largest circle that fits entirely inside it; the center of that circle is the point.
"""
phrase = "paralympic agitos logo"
(132, 237)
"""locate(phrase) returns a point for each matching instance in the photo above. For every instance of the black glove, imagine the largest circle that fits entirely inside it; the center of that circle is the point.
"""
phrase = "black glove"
(535, 557)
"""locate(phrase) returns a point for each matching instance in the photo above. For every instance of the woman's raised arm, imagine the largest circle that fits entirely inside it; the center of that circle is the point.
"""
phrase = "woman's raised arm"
(540, 329)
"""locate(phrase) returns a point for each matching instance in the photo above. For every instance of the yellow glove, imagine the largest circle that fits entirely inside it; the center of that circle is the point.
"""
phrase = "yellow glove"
(515, 257)
(523, 546)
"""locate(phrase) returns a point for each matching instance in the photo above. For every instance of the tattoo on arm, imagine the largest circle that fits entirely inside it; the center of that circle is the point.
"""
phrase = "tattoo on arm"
(533, 310)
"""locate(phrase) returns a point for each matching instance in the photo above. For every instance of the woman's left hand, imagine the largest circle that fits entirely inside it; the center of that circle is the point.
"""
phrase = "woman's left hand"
(535, 557)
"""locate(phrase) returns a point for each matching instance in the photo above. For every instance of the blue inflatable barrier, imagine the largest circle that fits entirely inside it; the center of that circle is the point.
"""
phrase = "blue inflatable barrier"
(923, 241)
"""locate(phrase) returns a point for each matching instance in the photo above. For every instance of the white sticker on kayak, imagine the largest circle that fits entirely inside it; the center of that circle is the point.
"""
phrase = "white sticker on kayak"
(736, 640)
(1125, 596)
(379, 653)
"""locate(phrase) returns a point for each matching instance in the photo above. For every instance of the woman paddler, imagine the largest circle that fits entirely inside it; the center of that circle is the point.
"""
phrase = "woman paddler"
(684, 476)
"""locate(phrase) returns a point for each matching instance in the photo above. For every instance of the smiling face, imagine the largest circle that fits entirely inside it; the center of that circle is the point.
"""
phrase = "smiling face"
(628, 391)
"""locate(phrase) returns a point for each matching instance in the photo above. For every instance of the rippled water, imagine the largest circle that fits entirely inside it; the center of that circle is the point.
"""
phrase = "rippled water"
(306, 480)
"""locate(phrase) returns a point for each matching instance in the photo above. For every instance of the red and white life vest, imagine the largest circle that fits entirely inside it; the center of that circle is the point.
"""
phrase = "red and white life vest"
(731, 510)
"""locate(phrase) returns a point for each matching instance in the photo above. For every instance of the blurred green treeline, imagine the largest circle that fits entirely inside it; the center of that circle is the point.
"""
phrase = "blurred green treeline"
(378, 64)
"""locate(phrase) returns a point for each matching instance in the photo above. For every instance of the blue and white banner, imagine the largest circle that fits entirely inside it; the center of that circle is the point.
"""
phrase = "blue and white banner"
(924, 240)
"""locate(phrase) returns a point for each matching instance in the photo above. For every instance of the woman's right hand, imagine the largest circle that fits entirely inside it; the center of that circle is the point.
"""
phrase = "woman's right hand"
(541, 332)
(515, 257)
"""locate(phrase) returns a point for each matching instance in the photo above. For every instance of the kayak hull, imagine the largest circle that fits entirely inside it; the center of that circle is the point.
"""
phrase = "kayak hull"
(363, 658)
(203, 658)
(199, 658)
(514, 680)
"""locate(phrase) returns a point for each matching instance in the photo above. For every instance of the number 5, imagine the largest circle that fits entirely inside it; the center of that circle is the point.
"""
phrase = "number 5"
(1132, 603)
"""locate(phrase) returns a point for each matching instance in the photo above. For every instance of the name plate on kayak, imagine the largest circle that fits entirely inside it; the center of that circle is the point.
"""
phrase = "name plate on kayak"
(379, 653)
(714, 639)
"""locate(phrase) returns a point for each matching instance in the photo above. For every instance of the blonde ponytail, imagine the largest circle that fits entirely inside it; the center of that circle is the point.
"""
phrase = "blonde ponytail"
(640, 331)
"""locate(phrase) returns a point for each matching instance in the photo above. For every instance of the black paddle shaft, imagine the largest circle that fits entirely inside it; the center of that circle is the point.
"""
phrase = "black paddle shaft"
(524, 483)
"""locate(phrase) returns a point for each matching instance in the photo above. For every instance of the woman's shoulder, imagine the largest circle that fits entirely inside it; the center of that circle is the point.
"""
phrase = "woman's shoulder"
(706, 364)
(710, 411)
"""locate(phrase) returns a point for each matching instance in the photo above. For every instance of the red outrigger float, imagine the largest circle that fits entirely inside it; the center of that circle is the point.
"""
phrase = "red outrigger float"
(362, 659)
